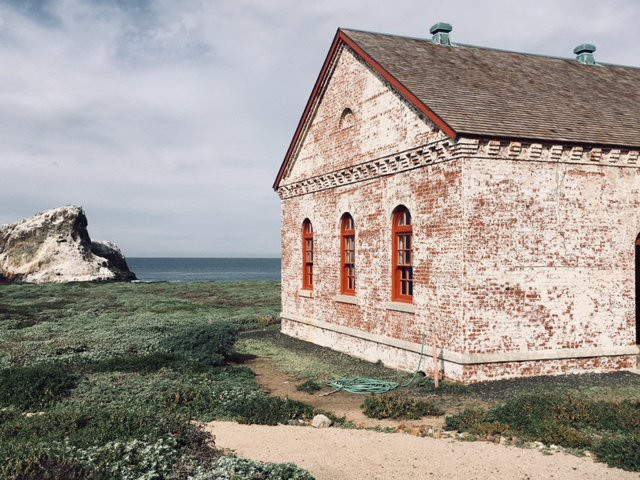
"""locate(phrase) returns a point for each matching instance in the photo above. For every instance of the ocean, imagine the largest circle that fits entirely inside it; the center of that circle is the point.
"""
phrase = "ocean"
(189, 270)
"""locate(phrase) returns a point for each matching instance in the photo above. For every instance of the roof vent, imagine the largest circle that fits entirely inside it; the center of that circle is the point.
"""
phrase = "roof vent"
(584, 53)
(440, 33)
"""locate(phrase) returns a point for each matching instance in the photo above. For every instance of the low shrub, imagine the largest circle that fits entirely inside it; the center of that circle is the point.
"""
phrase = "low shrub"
(85, 427)
(427, 385)
(528, 412)
(100, 443)
(621, 451)
(137, 363)
(552, 432)
(131, 459)
(310, 387)
(397, 406)
(475, 421)
(119, 443)
(209, 344)
(465, 421)
(216, 393)
(232, 468)
(263, 410)
(244, 403)
(533, 413)
(35, 387)
(616, 417)
(611, 430)
(551, 419)
(46, 463)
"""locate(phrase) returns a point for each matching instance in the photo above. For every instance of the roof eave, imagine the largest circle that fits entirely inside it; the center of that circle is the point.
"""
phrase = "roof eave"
(307, 109)
(549, 140)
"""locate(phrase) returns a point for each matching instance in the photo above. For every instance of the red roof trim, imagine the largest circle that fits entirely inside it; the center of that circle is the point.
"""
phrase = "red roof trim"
(404, 91)
(338, 40)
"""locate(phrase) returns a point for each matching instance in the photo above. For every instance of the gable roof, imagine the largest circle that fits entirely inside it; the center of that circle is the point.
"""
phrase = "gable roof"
(482, 92)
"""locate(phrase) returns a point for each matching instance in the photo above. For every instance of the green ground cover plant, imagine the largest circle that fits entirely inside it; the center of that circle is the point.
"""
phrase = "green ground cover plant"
(310, 387)
(113, 365)
(426, 385)
(41, 323)
(102, 381)
(35, 387)
(610, 429)
(209, 344)
(231, 468)
(399, 406)
(306, 361)
(76, 441)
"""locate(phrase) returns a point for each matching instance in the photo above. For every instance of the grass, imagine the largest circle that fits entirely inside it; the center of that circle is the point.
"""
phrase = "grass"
(610, 429)
(97, 321)
(310, 387)
(399, 406)
(103, 380)
(306, 361)
(122, 368)
(35, 387)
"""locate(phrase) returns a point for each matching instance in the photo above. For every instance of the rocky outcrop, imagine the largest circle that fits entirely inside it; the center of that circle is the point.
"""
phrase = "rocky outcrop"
(115, 258)
(54, 246)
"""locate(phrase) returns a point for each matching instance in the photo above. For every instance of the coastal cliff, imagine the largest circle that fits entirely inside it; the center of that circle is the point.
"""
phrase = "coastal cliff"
(55, 247)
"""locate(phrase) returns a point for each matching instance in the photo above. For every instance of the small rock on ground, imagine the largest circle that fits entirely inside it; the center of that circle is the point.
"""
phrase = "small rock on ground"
(321, 421)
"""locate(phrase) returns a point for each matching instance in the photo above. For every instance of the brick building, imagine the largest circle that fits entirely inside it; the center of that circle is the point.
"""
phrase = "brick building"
(487, 199)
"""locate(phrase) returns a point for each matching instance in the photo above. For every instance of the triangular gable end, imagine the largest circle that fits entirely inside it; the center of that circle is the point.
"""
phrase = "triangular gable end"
(357, 118)
(341, 39)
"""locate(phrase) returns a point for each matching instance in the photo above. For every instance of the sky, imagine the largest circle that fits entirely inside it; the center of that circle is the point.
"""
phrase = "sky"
(168, 120)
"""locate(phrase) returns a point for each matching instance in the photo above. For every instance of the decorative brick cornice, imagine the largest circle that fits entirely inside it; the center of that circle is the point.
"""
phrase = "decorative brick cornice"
(428, 154)
(557, 153)
(447, 149)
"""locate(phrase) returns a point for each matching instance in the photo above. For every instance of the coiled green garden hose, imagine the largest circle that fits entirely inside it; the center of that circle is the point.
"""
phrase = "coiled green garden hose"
(363, 385)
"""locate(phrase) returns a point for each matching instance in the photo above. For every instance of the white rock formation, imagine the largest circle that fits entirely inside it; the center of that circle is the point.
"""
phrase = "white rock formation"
(54, 246)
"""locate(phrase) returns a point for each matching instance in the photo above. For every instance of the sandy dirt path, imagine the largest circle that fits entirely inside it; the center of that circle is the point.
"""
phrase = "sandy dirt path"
(335, 453)
(342, 404)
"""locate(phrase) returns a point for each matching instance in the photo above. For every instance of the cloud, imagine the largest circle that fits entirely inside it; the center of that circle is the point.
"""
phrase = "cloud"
(168, 120)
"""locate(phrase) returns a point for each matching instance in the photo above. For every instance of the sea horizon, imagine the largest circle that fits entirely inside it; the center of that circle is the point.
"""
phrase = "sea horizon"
(205, 269)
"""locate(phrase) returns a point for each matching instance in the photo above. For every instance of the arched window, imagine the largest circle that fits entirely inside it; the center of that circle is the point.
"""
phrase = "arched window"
(402, 281)
(346, 118)
(348, 255)
(307, 255)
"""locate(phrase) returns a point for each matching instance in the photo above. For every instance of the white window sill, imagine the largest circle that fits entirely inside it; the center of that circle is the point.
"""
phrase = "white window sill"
(346, 299)
(305, 293)
(401, 307)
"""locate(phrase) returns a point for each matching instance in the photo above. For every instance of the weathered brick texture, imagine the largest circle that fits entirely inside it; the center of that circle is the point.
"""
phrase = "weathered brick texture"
(549, 255)
(523, 253)
(381, 123)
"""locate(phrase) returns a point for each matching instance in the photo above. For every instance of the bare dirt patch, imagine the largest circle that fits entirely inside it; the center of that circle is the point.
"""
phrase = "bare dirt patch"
(340, 404)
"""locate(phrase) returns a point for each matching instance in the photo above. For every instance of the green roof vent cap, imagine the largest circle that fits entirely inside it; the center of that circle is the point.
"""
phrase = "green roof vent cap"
(440, 33)
(584, 53)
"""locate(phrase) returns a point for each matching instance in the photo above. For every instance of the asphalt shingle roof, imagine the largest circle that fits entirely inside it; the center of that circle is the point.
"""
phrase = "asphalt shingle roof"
(492, 93)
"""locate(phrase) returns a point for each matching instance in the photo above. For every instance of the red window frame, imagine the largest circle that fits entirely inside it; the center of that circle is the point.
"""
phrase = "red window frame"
(307, 255)
(402, 257)
(347, 255)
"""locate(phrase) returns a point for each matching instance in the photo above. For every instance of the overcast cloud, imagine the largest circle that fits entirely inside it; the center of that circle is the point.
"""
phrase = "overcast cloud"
(168, 120)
